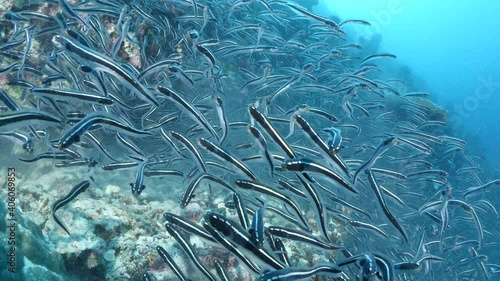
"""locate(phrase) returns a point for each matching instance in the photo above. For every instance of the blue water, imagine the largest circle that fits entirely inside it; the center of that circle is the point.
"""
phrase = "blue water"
(450, 49)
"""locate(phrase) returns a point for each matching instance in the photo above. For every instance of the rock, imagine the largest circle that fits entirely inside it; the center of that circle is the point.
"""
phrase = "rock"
(109, 255)
(34, 272)
(34, 256)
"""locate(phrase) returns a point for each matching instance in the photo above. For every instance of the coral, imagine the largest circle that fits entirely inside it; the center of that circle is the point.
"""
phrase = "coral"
(192, 212)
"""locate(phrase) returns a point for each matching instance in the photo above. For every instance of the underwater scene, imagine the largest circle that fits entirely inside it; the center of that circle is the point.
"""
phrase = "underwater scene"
(229, 140)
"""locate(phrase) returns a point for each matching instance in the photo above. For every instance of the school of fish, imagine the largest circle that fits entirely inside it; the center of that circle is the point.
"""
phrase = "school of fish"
(329, 169)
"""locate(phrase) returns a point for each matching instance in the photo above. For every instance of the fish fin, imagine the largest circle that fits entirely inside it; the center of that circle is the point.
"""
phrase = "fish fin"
(59, 222)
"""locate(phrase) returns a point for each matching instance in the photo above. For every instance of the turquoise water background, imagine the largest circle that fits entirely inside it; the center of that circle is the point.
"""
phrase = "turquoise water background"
(450, 49)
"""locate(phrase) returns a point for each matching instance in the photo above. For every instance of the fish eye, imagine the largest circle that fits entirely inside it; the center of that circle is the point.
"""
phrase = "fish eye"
(173, 69)
(193, 34)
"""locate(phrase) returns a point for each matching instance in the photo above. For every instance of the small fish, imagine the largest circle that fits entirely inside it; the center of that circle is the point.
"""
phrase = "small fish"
(221, 271)
(338, 162)
(222, 118)
(378, 194)
(307, 68)
(163, 173)
(241, 210)
(266, 69)
(49, 155)
(301, 236)
(8, 101)
(368, 226)
(301, 273)
(68, 10)
(325, 21)
(65, 94)
(165, 256)
(306, 165)
(75, 191)
(259, 187)
(371, 266)
(239, 237)
(381, 149)
(188, 194)
(19, 118)
(206, 16)
(187, 226)
(319, 206)
(222, 154)
(257, 228)
(128, 144)
(301, 109)
(206, 52)
(188, 249)
(101, 63)
(138, 185)
(376, 56)
(263, 146)
(120, 166)
(74, 133)
(271, 131)
(25, 141)
(200, 163)
(122, 31)
(334, 140)
(191, 111)
(89, 162)
(281, 251)
(472, 190)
